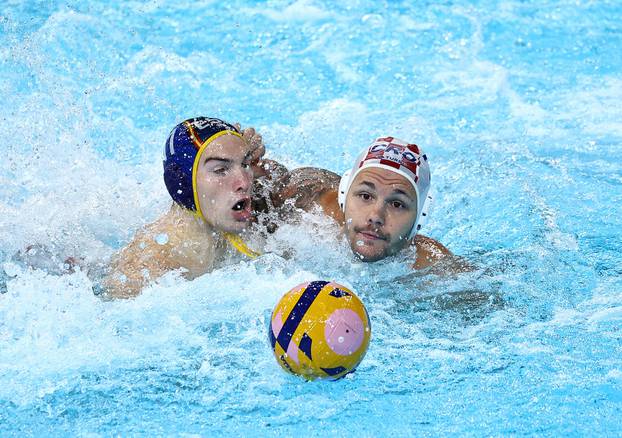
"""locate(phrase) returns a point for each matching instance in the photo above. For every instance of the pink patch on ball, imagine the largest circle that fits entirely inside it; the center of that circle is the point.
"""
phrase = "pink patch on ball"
(292, 352)
(277, 324)
(344, 331)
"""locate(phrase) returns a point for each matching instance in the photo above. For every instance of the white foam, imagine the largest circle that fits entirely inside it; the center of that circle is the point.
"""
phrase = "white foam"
(58, 318)
(334, 134)
(532, 348)
(614, 374)
(328, 131)
(606, 315)
(485, 79)
(595, 105)
(300, 10)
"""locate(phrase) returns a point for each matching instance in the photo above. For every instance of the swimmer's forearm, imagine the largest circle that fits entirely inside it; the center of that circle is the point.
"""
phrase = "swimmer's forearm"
(304, 186)
(270, 169)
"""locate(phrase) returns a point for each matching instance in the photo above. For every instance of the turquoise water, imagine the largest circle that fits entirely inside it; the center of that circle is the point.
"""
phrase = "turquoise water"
(516, 104)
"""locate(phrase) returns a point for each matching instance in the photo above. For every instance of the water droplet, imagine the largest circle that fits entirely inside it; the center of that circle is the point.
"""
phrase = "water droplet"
(340, 339)
(161, 238)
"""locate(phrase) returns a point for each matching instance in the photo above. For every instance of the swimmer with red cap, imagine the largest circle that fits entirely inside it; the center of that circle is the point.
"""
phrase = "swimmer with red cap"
(209, 170)
(381, 202)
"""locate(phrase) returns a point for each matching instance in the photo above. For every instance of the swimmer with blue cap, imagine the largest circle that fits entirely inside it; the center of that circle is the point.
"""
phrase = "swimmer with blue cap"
(209, 170)
(380, 202)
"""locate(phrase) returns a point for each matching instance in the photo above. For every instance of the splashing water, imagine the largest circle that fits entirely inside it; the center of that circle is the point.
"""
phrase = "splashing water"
(516, 105)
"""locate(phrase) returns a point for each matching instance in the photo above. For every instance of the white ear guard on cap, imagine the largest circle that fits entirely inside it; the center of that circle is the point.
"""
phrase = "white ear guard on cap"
(421, 218)
(344, 185)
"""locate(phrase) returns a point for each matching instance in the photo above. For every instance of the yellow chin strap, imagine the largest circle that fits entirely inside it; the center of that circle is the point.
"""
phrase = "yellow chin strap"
(235, 240)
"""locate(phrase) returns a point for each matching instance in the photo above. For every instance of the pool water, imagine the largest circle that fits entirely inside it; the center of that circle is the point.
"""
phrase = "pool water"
(516, 104)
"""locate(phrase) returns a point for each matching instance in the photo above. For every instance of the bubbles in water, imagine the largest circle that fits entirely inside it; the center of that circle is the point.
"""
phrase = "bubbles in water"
(57, 316)
(340, 339)
(161, 239)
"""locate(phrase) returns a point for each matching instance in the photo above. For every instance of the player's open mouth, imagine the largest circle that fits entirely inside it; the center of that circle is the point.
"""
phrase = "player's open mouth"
(241, 204)
(241, 210)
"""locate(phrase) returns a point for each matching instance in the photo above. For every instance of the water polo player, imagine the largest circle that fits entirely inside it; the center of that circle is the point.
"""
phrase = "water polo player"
(209, 169)
(380, 202)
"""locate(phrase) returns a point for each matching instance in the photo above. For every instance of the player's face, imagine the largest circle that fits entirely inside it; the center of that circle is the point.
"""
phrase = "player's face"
(224, 180)
(381, 208)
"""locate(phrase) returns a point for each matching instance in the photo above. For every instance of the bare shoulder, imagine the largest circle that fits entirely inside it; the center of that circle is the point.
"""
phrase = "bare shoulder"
(269, 169)
(139, 262)
(169, 243)
(429, 251)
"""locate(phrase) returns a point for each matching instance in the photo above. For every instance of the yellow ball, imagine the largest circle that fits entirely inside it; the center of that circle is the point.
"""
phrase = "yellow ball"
(320, 329)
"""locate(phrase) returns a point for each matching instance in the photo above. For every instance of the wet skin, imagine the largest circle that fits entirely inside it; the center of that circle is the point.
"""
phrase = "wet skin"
(224, 178)
(381, 208)
(224, 181)
(310, 188)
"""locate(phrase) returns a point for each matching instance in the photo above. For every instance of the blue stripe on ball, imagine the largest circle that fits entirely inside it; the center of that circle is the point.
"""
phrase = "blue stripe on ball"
(298, 312)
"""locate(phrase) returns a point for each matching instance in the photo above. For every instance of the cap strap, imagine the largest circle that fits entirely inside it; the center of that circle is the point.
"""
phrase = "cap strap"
(237, 242)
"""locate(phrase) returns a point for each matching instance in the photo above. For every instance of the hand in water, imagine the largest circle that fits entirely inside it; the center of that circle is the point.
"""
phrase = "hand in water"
(48, 259)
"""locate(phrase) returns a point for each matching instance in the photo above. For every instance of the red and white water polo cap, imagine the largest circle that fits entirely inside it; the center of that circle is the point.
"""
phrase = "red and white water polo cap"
(398, 156)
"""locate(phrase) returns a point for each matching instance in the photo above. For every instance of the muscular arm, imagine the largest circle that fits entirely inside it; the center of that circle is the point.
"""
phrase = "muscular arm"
(306, 188)
(267, 173)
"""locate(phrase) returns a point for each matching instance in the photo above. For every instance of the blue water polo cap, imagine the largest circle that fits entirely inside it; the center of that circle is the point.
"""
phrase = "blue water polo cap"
(182, 151)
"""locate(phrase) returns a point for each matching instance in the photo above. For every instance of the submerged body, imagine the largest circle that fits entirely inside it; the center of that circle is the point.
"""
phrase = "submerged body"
(209, 171)
(177, 240)
(378, 206)
(308, 188)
